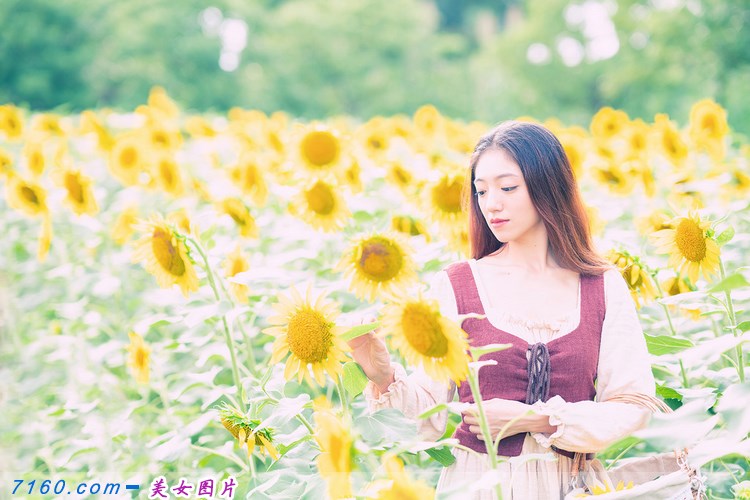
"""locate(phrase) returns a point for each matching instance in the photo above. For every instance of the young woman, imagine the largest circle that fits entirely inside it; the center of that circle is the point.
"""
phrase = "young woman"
(576, 338)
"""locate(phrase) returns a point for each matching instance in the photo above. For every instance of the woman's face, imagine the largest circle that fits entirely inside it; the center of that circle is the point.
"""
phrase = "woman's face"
(502, 196)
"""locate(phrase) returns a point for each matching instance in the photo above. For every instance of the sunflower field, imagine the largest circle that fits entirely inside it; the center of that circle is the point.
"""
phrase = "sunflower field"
(177, 291)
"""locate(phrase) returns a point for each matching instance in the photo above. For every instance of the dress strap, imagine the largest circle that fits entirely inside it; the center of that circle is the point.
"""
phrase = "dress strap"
(464, 288)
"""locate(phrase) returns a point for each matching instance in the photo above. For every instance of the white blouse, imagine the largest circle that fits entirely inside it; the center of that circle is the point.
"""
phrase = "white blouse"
(585, 426)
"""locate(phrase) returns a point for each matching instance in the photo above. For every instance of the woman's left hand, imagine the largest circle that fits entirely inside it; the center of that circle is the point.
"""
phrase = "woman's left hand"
(499, 412)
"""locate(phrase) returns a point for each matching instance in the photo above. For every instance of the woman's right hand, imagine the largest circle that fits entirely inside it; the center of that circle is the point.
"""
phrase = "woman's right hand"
(371, 353)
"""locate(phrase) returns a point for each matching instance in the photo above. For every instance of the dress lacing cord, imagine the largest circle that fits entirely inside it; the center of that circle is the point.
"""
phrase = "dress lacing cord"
(538, 370)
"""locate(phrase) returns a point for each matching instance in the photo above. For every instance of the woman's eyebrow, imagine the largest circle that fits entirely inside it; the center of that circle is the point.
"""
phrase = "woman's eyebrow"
(497, 177)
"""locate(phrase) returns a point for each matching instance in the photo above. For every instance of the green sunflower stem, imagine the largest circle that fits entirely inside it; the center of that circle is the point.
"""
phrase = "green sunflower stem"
(342, 396)
(685, 380)
(227, 333)
(473, 379)
(733, 322)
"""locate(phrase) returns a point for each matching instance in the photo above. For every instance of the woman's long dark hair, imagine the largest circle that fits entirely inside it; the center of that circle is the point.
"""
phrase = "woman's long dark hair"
(553, 191)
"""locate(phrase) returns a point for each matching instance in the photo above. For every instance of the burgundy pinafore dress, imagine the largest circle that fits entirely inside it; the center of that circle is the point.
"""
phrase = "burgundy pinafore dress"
(565, 366)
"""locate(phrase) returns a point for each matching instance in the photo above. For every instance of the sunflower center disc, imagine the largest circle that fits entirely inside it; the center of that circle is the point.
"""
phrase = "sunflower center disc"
(320, 148)
(166, 253)
(320, 199)
(447, 196)
(690, 240)
(29, 195)
(309, 336)
(380, 261)
(423, 331)
(128, 157)
(74, 188)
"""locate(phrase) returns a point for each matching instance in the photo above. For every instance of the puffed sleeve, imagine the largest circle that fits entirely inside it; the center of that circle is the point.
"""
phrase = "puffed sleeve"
(624, 367)
(416, 392)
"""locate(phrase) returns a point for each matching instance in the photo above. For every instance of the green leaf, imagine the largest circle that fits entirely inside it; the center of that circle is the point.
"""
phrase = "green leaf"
(435, 409)
(442, 455)
(662, 344)
(729, 283)
(725, 236)
(744, 326)
(387, 424)
(359, 330)
(354, 379)
(477, 352)
(668, 393)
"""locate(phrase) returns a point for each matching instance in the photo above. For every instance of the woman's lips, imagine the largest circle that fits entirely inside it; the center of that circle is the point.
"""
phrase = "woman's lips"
(498, 222)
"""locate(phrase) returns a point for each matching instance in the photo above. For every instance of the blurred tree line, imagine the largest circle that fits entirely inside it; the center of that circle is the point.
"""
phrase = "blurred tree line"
(487, 60)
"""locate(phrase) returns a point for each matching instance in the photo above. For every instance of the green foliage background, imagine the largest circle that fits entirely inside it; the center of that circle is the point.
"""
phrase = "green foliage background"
(318, 58)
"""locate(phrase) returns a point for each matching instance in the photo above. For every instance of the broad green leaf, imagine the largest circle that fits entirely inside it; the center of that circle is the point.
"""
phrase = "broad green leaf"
(744, 326)
(359, 330)
(388, 424)
(725, 236)
(729, 283)
(668, 393)
(354, 379)
(442, 455)
(659, 345)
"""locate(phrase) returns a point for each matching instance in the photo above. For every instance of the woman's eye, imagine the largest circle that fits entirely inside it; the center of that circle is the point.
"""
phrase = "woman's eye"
(511, 188)
(480, 193)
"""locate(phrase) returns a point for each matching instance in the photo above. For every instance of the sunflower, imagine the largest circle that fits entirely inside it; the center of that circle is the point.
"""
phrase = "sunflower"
(11, 122)
(160, 100)
(708, 127)
(574, 142)
(352, 177)
(166, 171)
(335, 461)
(138, 358)
(6, 163)
(637, 135)
(181, 219)
(428, 122)
(655, 221)
(90, 123)
(320, 205)
(47, 124)
(690, 247)
(636, 275)
(378, 264)
(596, 223)
(249, 177)
(26, 196)
(669, 141)
(163, 139)
(319, 149)
(79, 194)
(443, 197)
(374, 138)
(398, 486)
(425, 337)
(33, 153)
(45, 239)
(307, 331)
(238, 211)
(163, 253)
(617, 179)
(409, 225)
(199, 127)
(244, 428)
(401, 177)
(608, 123)
(127, 159)
(122, 228)
(235, 263)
